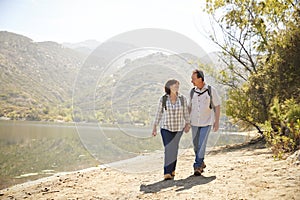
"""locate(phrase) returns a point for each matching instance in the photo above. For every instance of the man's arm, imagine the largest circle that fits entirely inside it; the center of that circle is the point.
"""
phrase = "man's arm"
(217, 118)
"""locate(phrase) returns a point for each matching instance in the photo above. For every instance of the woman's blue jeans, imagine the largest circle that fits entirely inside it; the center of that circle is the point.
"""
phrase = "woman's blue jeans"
(171, 145)
(200, 136)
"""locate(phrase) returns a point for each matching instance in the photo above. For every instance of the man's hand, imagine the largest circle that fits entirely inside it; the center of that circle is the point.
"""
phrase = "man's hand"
(187, 128)
(216, 126)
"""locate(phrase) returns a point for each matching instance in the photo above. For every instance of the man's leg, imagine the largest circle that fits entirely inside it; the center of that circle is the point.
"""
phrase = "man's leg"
(202, 133)
(203, 136)
(195, 135)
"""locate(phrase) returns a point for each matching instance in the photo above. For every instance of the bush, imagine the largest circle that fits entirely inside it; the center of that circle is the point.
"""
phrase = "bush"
(282, 131)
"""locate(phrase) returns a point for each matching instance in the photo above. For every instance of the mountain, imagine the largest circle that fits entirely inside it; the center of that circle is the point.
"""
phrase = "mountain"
(114, 83)
(86, 47)
(36, 78)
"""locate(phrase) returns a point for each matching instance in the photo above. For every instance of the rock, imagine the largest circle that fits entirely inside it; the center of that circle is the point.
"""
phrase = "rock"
(295, 157)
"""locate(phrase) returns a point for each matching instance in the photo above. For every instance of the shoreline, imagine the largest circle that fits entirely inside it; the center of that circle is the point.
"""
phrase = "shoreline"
(130, 165)
(249, 166)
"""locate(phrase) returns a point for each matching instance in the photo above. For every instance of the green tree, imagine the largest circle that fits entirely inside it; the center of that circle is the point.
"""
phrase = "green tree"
(255, 37)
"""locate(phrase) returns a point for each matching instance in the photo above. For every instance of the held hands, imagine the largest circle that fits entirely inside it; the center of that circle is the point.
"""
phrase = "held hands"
(187, 128)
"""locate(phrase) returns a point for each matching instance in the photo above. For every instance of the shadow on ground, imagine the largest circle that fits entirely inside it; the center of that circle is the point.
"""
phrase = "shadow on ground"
(182, 184)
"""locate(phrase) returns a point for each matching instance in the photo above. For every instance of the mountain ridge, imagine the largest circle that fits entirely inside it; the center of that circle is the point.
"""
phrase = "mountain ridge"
(39, 79)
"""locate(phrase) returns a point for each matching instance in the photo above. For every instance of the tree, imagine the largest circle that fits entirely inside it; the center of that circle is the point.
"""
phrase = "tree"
(254, 36)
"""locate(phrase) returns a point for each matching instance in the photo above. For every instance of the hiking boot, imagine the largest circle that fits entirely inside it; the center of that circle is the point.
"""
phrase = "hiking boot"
(198, 171)
(168, 177)
(173, 173)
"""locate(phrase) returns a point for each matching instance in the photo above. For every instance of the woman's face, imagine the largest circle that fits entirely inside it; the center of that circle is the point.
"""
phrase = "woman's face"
(174, 88)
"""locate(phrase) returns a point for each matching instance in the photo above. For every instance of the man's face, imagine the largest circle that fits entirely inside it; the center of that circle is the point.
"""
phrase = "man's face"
(196, 81)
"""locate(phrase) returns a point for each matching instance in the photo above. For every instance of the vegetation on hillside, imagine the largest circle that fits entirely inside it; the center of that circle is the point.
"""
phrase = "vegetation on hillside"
(44, 81)
(36, 79)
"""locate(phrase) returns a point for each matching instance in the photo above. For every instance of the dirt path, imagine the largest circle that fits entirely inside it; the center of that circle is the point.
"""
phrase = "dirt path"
(243, 172)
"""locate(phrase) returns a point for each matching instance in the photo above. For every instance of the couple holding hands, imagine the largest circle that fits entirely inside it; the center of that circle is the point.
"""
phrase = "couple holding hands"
(175, 115)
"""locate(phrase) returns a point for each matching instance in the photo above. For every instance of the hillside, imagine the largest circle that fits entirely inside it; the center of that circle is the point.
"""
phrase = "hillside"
(36, 78)
(48, 81)
(85, 47)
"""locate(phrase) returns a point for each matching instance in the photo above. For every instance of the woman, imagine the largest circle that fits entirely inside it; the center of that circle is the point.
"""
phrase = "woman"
(173, 117)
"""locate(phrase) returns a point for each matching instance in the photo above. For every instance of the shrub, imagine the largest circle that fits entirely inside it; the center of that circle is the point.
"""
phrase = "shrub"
(282, 131)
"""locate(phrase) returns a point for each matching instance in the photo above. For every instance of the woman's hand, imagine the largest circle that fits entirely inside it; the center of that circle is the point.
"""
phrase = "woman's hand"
(187, 128)
(154, 132)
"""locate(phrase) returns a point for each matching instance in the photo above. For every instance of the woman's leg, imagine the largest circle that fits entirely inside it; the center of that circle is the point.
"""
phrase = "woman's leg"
(171, 144)
(175, 147)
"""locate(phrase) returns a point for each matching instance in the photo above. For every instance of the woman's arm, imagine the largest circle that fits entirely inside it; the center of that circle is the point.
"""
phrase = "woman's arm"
(158, 117)
(186, 115)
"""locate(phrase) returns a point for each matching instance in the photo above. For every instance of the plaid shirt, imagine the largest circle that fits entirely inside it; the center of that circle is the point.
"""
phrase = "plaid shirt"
(175, 117)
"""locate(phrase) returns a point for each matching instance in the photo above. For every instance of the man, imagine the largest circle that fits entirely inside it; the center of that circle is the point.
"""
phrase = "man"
(204, 108)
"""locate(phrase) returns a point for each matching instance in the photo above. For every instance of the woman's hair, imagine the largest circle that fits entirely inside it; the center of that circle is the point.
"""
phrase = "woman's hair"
(168, 84)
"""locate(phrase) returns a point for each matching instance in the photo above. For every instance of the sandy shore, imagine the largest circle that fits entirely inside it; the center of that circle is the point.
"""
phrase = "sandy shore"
(239, 172)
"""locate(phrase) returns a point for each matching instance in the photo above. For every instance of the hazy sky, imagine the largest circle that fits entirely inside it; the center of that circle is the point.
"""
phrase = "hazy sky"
(79, 20)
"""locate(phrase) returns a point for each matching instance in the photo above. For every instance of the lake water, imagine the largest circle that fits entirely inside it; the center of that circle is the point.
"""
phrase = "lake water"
(31, 150)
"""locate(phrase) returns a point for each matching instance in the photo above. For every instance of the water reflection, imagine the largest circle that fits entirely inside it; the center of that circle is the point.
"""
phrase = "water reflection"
(31, 150)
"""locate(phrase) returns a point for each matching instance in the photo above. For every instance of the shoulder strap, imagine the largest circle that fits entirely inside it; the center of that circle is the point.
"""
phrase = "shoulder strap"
(211, 105)
(164, 103)
(181, 100)
(192, 92)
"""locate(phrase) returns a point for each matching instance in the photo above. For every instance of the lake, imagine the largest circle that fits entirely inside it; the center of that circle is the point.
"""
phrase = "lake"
(32, 150)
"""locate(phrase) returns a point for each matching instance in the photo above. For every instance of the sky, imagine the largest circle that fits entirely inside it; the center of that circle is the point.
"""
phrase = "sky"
(79, 20)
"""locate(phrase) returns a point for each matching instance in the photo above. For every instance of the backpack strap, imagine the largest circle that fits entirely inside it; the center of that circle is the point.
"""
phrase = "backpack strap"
(164, 103)
(181, 100)
(192, 92)
(211, 104)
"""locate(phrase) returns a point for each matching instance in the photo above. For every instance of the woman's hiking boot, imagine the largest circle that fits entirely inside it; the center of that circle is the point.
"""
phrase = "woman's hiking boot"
(168, 177)
(173, 173)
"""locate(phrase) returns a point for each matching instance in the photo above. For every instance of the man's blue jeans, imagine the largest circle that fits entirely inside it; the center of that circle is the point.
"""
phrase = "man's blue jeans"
(200, 136)
(171, 144)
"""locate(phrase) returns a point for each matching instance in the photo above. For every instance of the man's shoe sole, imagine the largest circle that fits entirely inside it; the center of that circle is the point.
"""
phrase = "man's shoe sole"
(197, 173)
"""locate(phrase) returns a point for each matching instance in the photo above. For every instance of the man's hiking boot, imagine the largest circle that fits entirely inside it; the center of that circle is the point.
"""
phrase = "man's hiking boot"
(199, 170)
(203, 165)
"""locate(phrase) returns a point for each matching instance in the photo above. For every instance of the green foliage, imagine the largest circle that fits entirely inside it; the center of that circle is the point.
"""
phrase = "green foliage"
(283, 129)
(240, 112)
(284, 65)
(248, 111)
(260, 48)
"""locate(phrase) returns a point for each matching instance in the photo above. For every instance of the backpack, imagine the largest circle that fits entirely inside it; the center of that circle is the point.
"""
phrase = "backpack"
(164, 102)
(211, 105)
